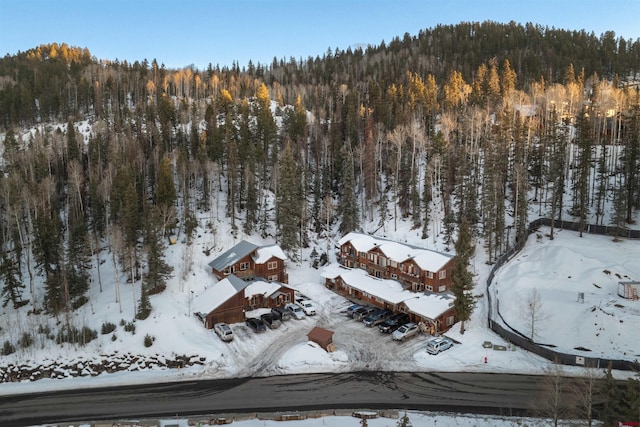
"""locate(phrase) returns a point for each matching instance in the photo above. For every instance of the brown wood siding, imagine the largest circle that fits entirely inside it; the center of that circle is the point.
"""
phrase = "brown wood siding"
(235, 269)
(262, 270)
(349, 257)
(231, 311)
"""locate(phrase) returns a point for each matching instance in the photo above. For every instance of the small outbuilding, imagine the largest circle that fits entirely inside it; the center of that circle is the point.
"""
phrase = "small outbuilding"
(629, 290)
(322, 337)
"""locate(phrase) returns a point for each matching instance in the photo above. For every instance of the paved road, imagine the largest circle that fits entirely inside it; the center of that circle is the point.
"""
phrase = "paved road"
(469, 392)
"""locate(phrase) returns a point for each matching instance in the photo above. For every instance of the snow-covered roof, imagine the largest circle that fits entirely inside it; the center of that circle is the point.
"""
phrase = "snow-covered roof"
(265, 253)
(260, 287)
(428, 305)
(426, 259)
(218, 293)
(233, 255)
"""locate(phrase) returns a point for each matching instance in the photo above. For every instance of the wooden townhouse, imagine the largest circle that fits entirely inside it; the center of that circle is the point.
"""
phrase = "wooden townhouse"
(434, 310)
(229, 299)
(246, 260)
(418, 269)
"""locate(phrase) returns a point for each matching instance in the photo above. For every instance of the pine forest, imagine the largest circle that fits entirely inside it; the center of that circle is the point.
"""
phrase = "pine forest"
(476, 125)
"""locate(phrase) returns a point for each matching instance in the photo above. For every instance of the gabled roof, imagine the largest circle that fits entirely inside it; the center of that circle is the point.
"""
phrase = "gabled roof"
(427, 304)
(233, 255)
(265, 253)
(260, 287)
(426, 259)
(217, 294)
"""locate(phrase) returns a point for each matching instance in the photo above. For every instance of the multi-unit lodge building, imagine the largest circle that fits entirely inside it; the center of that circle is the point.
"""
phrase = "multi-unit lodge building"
(249, 277)
(397, 276)
(416, 268)
(229, 299)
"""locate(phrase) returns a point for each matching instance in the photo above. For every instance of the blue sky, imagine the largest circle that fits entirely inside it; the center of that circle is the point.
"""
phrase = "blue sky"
(183, 32)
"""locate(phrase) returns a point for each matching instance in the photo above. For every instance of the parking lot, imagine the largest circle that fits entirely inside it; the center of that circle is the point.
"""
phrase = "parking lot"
(366, 348)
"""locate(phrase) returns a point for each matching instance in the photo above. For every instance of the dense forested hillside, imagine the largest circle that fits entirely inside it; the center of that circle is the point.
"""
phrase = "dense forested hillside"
(481, 121)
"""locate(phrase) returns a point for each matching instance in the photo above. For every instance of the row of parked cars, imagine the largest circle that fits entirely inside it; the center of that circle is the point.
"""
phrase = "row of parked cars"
(399, 325)
(272, 320)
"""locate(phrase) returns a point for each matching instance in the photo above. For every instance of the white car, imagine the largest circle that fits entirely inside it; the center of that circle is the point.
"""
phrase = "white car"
(438, 344)
(307, 306)
(295, 310)
(223, 331)
(405, 331)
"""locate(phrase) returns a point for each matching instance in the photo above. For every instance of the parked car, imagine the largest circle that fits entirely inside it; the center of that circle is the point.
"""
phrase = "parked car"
(363, 312)
(256, 324)
(223, 331)
(438, 344)
(281, 313)
(405, 331)
(307, 306)
(393, 323)
(352, 308)
(295, 310)
(270, 320)
(377, 317)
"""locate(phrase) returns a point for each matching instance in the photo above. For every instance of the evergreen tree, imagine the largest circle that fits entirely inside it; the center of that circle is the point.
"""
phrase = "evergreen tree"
(73, 148)
(289, 202)
(581, 179)
(47, 252)
(461, 277)
(166, 195)
(12, 279)
(158, 271)
(631, 400)
(348, 205)
(78, 260)
(144, 305)
(609, 411)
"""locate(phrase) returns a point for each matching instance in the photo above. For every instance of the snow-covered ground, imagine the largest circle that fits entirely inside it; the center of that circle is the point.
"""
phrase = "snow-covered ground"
(559, 269)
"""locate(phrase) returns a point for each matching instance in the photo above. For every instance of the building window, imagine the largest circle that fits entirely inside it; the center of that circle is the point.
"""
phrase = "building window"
(272, 265)
(394, 264)
(430, 274)
(443, 274)
(273, 278)
(394, 276)
(244, 266)
(362, 265)
(227, 271)
(442, 288)
(429, 288)
(449, 321)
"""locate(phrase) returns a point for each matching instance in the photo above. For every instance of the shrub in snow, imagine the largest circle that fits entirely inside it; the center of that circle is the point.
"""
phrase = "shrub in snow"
(114, 337)
(8, 348)
(74, 335)
(107, 328)
(148, 340)
(130, 327)
(26, 340)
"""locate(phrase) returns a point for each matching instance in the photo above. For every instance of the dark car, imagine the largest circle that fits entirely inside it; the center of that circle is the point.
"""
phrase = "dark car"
(352, 308)
(377, 317)
(270, 320)
(281, 313)
(363, 312)
(256, 325)
(393, 323)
